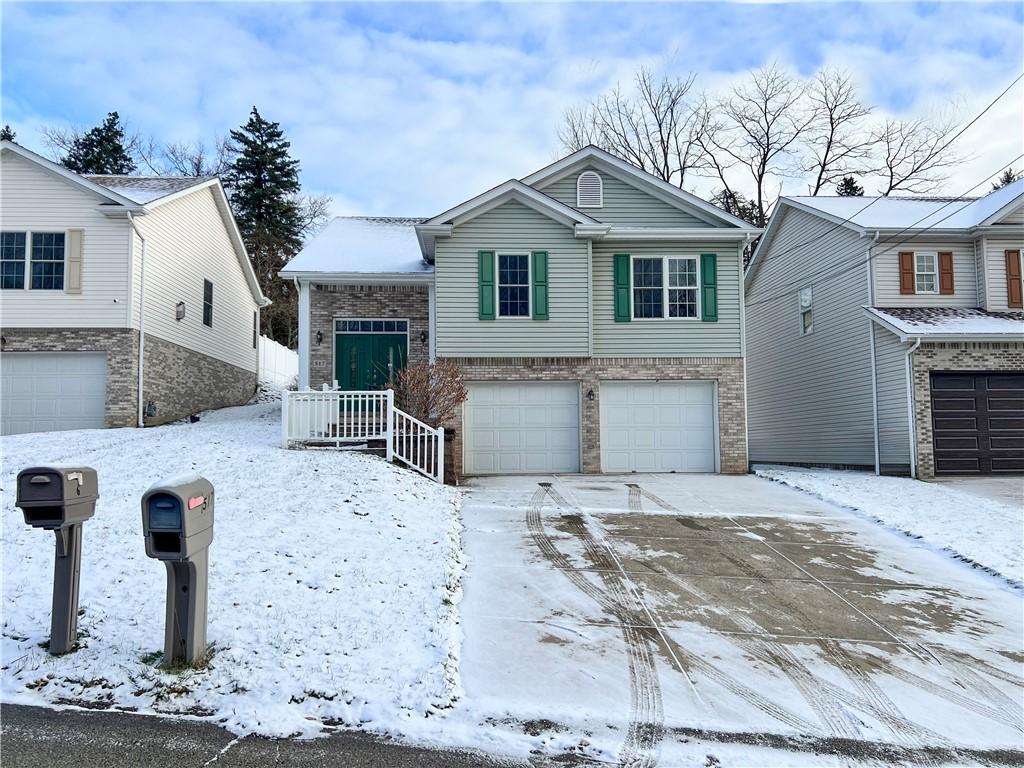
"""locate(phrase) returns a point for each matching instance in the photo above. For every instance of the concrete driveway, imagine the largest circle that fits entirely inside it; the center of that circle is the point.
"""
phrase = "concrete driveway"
(643, 617)
(1006, 490)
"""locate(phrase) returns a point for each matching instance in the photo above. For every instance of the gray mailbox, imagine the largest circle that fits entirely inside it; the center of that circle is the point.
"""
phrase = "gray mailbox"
(177, 521)
(60, 499)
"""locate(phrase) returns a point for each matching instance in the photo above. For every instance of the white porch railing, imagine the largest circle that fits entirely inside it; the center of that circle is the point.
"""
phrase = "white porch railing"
(331, 417)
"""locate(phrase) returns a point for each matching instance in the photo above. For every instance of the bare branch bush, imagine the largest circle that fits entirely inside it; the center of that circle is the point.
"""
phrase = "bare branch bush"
(913, 155)
(430, 392)
(839, 142)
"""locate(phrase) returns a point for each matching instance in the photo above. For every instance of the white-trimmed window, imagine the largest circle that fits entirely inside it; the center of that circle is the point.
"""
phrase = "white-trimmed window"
(513, 284)
(806, 310)
(589, 190)
(47, 261)
(12, 259)
(926, 272)
(665, 286)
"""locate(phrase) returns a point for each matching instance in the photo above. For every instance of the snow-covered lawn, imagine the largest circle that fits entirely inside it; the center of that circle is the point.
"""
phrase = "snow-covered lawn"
(334, 582)
(986, 532)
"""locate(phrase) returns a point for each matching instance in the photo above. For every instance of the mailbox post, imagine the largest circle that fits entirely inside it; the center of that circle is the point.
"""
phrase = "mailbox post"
(177, 521)
(60, 499)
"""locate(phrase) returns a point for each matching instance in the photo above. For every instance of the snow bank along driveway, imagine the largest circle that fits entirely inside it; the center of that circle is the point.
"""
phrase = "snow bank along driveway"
(333, 582)
(983, 531)
(658, 619)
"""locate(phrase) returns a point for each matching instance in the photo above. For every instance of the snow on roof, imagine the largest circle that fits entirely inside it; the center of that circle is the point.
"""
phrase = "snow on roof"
(949, 321)
(917, 213)
(371, 244)
(146, 189)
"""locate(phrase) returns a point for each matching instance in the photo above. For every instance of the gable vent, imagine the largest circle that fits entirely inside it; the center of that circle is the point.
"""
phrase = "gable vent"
(589, 190)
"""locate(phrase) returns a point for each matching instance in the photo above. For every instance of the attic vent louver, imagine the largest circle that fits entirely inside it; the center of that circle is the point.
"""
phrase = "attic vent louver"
(589, 190)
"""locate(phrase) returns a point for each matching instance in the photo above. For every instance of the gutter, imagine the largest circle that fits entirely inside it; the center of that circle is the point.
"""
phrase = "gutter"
(361, 278)
(142, 318)
(911, 419)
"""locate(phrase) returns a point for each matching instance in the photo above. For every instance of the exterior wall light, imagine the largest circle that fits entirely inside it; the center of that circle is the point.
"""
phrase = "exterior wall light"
(319, 338)
(590, 395)
(179, 311)
(423, 337)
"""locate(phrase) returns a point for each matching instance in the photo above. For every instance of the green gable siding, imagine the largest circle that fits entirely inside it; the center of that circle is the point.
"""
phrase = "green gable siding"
(667, 337)
(511, 227)
(624, 204)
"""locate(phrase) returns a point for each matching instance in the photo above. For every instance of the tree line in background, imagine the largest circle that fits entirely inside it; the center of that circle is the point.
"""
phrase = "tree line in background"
(769, 127)
(258, 173)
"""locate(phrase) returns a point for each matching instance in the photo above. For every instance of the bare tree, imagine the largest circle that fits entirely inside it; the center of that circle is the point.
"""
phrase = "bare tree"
(838, 141)
(195, 158)
(757, 130)
(60, 140)
(654, 127)
(314, 211)
(914, 155)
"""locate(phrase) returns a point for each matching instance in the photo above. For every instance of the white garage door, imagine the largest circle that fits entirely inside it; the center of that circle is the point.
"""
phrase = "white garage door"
(663, 426)
(522, 428)
(47, 391)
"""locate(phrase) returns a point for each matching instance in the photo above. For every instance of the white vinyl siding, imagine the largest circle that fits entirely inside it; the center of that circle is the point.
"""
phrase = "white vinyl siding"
(671, 336)
(623, 204)
(995, 268)
(809, 396)
(187, 243)
(511, 228)
(891, 375)
(35, 200)
(885, 268)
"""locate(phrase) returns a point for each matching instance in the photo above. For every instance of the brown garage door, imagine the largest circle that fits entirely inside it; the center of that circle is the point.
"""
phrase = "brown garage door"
(978, 423)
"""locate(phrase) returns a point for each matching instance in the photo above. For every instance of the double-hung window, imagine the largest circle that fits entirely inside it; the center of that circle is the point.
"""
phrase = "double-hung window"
(208, 303)
(48, 261)
(513, 285)
(12, 259)
(665, 287)
(926, 269)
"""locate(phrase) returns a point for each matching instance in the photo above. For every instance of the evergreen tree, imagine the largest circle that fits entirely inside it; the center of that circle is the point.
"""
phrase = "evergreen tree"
(6, 133)
(101, 150)
(849, 187)
(263, 182)
(1006, 177)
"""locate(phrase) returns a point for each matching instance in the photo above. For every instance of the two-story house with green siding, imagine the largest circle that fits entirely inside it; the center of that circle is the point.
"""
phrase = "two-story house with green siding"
(596, 313)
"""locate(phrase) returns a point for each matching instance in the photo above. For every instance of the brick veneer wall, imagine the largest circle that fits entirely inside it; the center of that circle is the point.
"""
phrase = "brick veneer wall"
(977, 356)
(330, 302)
(121, 346)
(590, 372)
(181, 381)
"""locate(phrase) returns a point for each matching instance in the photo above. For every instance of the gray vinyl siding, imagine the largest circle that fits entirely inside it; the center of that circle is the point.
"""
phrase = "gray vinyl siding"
(1014, 217)
(668, 337)
(886, 269)
(995, 267)
(624, 204)
(891, 374)
(809, 396)
(511, 227)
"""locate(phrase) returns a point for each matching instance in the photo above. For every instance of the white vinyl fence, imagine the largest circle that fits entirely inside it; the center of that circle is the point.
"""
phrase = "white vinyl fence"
(279, 366)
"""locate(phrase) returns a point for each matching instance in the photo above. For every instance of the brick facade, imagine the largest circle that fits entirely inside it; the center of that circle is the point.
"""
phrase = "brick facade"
(328, 303)
(180, 381)
(121, 346)
(727, 371)
(963, 356)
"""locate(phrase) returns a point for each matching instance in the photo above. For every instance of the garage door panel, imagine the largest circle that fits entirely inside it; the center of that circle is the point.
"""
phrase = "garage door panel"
(47, 391)
(1012, 404)
(1006, 381)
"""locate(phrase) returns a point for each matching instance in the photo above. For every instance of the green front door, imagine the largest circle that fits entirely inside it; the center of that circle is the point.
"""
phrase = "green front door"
(367, 361)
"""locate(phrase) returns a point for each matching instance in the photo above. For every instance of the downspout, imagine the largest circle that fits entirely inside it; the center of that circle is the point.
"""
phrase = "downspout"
(142, 316)
(911, 420)
(874, 374)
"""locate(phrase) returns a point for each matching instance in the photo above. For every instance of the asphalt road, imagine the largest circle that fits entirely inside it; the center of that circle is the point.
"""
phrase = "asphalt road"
(34, 737)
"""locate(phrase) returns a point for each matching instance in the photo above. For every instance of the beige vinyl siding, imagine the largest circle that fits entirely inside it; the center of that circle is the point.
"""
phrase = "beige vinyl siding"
(186, 243)
(995, 268)
(891, 375)
(34, 199)
(667, 337)
(624, 204)
(886, 270)
(511, 227)
(809, 396)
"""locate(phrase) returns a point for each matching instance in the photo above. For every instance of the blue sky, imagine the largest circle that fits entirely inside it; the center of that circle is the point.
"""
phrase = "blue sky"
(410, 108)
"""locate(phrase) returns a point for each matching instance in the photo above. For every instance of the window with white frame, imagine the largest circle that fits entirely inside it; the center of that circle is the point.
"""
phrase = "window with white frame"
(806, 310)
(665, 287)
(513, 285)
(926, 272)
(12, 259)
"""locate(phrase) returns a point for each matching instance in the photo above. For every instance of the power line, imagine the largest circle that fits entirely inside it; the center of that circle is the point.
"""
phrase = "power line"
(874, 200)
(895, 239)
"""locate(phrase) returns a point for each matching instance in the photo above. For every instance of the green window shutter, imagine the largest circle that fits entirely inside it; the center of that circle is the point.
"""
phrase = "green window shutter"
(709, 287)
(539, 274)
(485, 273)
(623, 311)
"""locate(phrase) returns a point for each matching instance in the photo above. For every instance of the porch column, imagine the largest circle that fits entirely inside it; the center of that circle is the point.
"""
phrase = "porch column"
(432, 322)
(303, 334)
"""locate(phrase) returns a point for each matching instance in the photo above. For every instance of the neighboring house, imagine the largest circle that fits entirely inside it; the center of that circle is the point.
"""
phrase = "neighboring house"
(596, 313)
(887, 333)
(100, 275)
